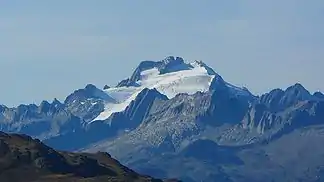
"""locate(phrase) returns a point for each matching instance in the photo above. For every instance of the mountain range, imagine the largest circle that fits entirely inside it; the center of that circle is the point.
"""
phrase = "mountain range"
(179, 119)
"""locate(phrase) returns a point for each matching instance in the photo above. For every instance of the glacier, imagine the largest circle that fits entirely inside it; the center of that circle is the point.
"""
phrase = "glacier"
(181, 77)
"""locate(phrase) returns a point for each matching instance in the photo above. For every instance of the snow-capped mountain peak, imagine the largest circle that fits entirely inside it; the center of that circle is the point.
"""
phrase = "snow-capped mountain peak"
(170, 76)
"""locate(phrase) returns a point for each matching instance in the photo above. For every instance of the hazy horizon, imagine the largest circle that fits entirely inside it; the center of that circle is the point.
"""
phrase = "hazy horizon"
(50, 49)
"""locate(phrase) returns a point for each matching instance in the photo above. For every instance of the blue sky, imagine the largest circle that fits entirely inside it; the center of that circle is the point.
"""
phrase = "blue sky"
(50, 48)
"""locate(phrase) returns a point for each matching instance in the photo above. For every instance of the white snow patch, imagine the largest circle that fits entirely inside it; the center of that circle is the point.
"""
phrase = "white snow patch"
(170, 84)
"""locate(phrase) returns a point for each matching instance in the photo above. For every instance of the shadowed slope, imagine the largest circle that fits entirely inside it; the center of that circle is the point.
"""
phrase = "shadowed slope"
(25, 159)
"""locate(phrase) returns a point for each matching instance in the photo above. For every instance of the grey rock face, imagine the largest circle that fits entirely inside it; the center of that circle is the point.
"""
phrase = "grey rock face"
(137, 110)
(278, 100)
(260, 118)
(278, 109)
(87, 103)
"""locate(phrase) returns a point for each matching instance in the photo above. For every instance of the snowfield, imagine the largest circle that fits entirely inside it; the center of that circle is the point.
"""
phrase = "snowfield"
(196, 77)
(170, 84)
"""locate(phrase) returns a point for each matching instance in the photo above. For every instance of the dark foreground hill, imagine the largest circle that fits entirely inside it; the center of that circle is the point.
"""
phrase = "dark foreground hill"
(25, 159)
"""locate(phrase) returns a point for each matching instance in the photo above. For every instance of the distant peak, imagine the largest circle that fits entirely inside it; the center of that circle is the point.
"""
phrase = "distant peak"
(298, 86)
(166, 62)
(44, 103)
(298, 89)
(318, 95)
(106, 87)
(56, 102)
(90, 87)
(89, 92)
(45, 106)
(199, 62)
(169, 59)
(173, 60)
